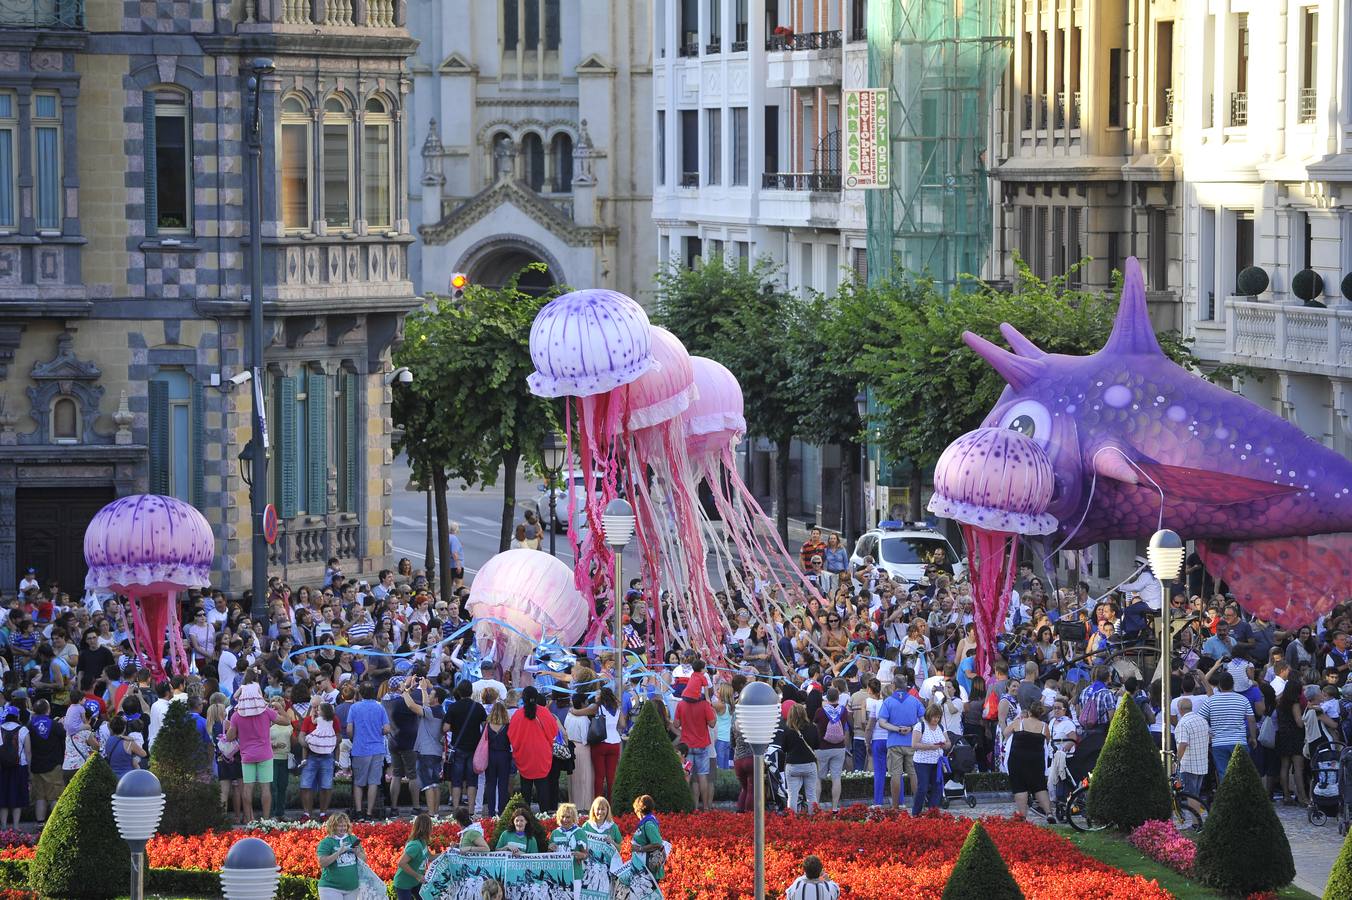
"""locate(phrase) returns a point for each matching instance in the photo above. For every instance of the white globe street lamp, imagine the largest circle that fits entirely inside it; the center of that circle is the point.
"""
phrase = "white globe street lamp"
(138, 805)
(250, 871)
(617, 523)
(1165, 554)
(758, 719)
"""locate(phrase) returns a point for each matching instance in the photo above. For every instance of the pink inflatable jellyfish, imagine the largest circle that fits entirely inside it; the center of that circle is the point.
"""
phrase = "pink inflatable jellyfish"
(587, 345)
(997, 483)
(534, 594)
(666, 495)
(714, 424)
(150, 548)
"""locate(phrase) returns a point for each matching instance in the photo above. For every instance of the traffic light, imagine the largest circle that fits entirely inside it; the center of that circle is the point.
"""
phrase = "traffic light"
(459, 281)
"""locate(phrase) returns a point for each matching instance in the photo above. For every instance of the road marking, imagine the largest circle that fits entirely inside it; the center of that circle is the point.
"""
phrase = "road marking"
(411, 523)
(480, 520)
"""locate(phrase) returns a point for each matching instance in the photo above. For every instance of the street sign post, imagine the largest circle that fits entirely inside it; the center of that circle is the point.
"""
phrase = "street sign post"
(270, 524)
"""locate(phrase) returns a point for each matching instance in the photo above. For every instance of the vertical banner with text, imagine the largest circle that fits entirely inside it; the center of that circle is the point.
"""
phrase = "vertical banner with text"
(867, 140)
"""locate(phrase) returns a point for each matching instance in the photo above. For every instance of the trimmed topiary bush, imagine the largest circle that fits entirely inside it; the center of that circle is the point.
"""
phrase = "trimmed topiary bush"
(1243, 848)
(181, 760)
(80, 853)
(533, 826)
(980, 871)
(1340, 879)
(651, 765)
(1129, 787)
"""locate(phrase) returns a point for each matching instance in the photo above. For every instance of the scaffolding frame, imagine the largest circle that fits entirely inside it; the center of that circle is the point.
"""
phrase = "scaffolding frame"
(941, 62)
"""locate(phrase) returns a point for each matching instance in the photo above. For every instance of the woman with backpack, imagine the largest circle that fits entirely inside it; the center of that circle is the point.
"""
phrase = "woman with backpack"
(16, 749)
(229, 769)
(833, 728)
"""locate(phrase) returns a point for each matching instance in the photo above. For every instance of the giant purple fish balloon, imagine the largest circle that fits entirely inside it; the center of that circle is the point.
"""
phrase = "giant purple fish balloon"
(1137, 443)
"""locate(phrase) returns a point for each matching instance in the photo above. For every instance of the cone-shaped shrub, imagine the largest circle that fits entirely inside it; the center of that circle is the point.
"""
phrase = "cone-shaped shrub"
(516, 805)
(80, 853)
(651, 765)
(980, 871)
(1243, 848)
(1129, 787)
(181, 760)
(1340, 879)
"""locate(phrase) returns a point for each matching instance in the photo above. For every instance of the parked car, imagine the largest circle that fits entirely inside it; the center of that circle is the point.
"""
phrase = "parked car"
(903, 551)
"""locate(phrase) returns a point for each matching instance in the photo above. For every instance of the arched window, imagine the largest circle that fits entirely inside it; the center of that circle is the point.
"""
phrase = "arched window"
(295, 164)
(377, 164)
(337, 160)
(533, 153)
(562, 148)
(502, 156)
(65, 421)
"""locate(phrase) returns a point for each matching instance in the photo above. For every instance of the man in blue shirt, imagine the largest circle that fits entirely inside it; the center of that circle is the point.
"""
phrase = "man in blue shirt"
(457, 555)
(898, 714)
(367, 725)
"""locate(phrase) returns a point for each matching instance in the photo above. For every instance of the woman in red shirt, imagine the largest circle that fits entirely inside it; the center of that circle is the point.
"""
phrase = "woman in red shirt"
(532, 732)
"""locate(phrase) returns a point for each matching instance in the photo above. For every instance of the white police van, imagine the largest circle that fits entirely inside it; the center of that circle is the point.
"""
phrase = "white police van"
(903, 549)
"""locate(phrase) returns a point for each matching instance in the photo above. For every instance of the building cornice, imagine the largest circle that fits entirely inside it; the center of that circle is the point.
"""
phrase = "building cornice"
(1062, 169)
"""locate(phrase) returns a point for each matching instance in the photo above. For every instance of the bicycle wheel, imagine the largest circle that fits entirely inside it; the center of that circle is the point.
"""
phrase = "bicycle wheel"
(1077, 813)
(1185, 817)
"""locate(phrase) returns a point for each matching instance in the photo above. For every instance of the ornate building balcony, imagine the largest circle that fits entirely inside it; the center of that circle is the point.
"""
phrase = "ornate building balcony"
(332, 13)
(1294, 338)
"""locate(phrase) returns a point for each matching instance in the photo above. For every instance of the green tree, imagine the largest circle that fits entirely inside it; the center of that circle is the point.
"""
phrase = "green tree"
(930, 388)
(468, 414)
(740, 316)
(980, 871)
(1339, 886)
(80, 853)
(181, 760)
(1243, 849)
(651, 765)
(534, 829)
(1129, 786)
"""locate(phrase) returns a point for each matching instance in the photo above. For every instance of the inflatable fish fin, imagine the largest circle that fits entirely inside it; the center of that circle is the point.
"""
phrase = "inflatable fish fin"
(1111, 461)
(1188, 485)
(1132, 332)
(1022, 346)
(1018, 371)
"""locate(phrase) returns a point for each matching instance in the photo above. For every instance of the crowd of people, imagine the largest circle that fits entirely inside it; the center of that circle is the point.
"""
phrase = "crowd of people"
(375, 682)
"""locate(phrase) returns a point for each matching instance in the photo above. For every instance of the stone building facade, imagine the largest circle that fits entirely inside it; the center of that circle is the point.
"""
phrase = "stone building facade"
(532, 142)
(124, 270)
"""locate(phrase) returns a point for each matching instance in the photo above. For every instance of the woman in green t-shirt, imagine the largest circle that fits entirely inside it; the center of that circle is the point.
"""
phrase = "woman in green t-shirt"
(567, 836)
(601, 838)
(408, 872)
(648, 864)
(518, 840)
(340, 858)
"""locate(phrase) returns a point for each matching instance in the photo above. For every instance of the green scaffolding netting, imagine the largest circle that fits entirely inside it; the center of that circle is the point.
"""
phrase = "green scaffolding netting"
(941, 62)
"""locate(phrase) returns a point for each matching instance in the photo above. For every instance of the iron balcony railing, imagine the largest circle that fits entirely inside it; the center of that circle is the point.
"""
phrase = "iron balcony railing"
(65, 14)
(1061, 109)
(1042, 111)
(820, 182)
(1309, 98)
(739, 37)
(688, 48)
(808, 40)
(1239, 109)
(714, 47)
(1028, 124)
(1075, 110)
(689, 179)
(1168, 106)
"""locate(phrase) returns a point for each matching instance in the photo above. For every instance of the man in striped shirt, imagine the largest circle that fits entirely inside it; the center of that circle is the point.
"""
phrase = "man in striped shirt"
(362, 628)
(811, 885)
(1230, 716)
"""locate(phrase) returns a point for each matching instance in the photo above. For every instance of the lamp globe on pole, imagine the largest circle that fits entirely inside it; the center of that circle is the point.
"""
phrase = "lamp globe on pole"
(1165, 555)
(553, 455)
(138, 805)
(617, 524)
(758, 719)
(250, 871)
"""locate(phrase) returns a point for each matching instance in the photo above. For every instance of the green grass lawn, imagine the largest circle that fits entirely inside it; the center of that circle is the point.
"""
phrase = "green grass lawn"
(1112, 849)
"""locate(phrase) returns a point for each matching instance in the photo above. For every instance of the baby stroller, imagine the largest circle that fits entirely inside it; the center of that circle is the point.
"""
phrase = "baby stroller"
(961, 760)
(1328, 783)
(776, 779)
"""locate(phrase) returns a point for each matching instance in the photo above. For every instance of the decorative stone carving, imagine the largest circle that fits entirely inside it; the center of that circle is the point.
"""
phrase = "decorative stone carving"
(8, 419)
(433, 154)
(123, 419)
(584, 172)
(64, 375)
(10, 335)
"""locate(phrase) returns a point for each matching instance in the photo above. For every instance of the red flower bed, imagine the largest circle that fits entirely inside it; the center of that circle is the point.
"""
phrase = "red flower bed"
(878, 855)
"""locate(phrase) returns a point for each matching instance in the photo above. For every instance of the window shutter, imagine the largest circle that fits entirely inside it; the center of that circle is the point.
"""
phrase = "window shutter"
(286, 402)
(199, 444)
(351, 447)
(159, 437)
(148, 137)
(317, 388)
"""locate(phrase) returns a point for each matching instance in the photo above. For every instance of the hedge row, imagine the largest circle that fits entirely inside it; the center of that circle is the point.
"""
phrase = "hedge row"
(174, 882)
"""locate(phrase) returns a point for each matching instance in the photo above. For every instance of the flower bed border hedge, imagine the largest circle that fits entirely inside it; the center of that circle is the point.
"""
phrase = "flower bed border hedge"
(175, 882)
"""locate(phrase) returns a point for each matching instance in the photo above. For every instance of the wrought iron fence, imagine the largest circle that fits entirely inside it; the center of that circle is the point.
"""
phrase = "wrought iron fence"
(1239, 109)
(808, 40)
(68, 14)
(1309, 99)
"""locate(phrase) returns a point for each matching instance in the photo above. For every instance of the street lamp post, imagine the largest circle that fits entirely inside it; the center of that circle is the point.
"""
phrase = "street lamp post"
(552, 453)
(1165, 555)
(138, 805)
(758, 718)
(258, 490)
(861, 406)
(250, 871)
(618, 523)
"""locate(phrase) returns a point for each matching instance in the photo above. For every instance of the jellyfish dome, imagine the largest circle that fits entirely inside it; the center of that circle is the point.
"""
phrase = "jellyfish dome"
(666, 390)
(717, 417)
(145, 543)
(995, 479)
(533, 593)
(588, 342)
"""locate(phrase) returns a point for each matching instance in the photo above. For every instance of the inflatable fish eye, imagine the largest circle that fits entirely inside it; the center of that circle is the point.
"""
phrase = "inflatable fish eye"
(1031, 419)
